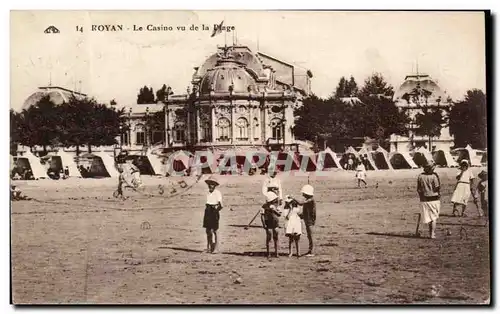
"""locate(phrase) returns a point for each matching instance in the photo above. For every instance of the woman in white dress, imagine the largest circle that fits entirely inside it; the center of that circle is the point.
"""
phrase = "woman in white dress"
(463, 189)
(293, 224)
(361, 174)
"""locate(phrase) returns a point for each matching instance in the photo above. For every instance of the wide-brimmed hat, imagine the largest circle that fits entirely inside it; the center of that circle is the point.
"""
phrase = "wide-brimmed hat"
(211, 181)
(307, 189)
(271, 196)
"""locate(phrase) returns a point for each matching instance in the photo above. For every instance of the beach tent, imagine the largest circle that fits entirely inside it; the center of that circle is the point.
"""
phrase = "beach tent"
(285, 161)
(381, 158)
(350, 152)
(179, 161)
(369, 162)
(443, 159)
(148, 164)
(307, 161)
(60, 160)
(469, 154)
(31, 162)
(401, 160)
(422, 156)
(100, 165)
(327, 159)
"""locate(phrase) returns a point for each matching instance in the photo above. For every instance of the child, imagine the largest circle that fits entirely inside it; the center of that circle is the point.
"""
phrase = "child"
(428, 188)
(482, 188)
(211, 218)
(308, 214)
(361, 174)
(463, 189)
(293, 225)
(270, 220)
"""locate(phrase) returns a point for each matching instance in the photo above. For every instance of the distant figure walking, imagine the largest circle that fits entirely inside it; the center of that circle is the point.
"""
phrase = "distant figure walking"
(463, 189)
(273, 184)
(361, 174)
(428, 188)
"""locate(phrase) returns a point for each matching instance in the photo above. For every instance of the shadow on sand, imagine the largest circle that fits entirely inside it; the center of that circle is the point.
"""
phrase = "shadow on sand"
(459, 224)
(398, 235)
(248, 253)
(180, 249)
(245, 226)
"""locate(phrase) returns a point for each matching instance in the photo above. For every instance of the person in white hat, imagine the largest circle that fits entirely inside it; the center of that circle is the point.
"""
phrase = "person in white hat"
(270, 220)
(273, 184)
(428, 188)
(463, 190)
(211, 218)
(308, 214)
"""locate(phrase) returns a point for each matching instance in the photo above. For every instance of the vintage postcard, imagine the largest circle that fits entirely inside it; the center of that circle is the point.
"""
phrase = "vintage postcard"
(249, 157)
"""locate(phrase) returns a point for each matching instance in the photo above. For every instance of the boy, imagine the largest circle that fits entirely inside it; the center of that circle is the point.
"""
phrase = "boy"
(211, 218)
(308, 214)
(270, 220)
(428, 188)
(482, 188)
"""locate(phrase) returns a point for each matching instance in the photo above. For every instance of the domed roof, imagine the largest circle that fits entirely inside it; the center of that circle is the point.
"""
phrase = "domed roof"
(225, 74)
(424, 82)
(57, 95)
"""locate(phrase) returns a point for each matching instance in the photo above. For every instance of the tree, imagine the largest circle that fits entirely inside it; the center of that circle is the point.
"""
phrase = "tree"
(468, 120)
(346, 88)
(429, 122)
(146, 96)
(376, 86)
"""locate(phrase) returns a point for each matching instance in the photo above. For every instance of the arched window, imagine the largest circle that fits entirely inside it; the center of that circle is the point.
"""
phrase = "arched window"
(206, 131)
(224, 129)
(277, 129)
(179, 132)
(242, 129)
(256, 129)
(140, 134)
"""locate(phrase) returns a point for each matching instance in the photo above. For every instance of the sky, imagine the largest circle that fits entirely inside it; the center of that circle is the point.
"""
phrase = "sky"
(449, 46)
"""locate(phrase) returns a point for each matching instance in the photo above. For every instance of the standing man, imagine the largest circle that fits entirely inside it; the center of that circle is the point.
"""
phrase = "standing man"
(273, 184)
(428, 188)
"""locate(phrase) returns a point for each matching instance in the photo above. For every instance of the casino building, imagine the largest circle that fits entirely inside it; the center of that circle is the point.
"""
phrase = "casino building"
(237, 98)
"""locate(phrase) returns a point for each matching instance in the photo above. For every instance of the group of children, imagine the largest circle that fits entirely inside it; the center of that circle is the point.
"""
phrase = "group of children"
(429, 186)
(293, 211)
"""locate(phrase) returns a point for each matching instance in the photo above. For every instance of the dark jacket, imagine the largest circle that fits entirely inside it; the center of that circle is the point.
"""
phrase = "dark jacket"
(309, 212)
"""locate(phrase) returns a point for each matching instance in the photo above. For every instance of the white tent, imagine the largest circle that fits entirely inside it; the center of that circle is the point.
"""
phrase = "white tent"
(109, 164)
(156, 163)
(444, 159)
(371, 163)
(402, 160)
(34, 163)
(422, 156)
(68, 161)
(327, 159)
(469, 154)
(381, 158)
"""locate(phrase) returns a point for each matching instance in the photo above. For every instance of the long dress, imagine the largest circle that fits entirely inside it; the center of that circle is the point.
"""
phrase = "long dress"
(293, 225)
(361, 172)
(462, 191)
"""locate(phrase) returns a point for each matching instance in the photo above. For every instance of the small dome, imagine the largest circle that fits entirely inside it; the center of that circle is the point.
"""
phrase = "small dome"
(424, 81)
(220, 78)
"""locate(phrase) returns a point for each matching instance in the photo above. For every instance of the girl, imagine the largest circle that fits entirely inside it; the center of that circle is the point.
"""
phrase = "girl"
(361, 174)
(308, 214)
(211, 218)
(463, 189)
(293, 225)
(270, 220)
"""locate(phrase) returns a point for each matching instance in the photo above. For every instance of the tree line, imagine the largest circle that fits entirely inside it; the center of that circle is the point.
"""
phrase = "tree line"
(352, 114)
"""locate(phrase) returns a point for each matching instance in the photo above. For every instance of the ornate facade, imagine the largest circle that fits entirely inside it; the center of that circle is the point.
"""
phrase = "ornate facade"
(416, 92)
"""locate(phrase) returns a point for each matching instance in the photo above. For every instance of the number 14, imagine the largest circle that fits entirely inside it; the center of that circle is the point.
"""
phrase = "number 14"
(79, 29)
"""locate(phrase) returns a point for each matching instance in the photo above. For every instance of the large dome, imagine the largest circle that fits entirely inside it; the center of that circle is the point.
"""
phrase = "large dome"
(225, 74)
(58, 95)
(424, 82)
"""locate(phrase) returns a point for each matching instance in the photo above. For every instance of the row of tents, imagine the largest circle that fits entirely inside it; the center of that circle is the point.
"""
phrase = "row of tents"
(101, 164)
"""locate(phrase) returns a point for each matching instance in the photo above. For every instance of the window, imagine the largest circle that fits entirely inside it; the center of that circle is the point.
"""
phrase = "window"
(224, 129)
(124, 138)
(242, 129)
(140, 135)
(277, 128)
(206, 131)
(157, 137)
(256, 129)
(179, 132)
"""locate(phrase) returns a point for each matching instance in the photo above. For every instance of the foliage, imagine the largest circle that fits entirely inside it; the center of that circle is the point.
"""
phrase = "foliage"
(346, 88)
(145, 96)
(468, 120)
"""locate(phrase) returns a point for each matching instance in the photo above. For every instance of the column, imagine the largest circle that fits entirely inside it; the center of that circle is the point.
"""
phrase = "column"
(250, 122)
(198, 135)
(213, 135)
(188, 127)
(232, 108)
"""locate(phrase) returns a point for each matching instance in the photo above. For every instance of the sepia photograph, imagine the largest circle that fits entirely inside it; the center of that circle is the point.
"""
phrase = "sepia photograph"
(249, 157)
